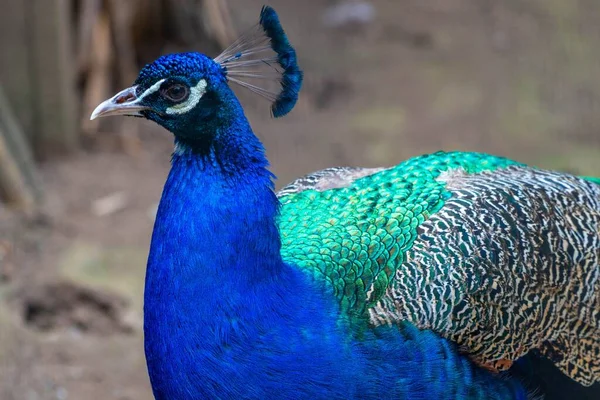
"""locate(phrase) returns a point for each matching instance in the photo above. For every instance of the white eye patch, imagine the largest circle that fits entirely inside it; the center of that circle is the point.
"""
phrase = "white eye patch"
(150, 90)
(196, 94)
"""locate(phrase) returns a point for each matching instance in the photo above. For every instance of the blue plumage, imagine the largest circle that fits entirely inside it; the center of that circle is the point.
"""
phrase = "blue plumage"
(179, 65)
(224, 316)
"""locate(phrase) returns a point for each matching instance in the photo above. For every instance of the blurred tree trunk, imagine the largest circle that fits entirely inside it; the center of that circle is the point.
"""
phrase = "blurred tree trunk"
(19, 182)
(54, 51)
(15, 61)
(36, 69)
(53, 76)
(203, 25)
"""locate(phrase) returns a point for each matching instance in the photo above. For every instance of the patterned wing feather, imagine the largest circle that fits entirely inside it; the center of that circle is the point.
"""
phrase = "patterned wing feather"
(499, 257)
(330, 178)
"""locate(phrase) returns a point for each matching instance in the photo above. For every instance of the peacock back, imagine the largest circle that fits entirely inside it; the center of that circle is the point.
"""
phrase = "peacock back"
(499, 257)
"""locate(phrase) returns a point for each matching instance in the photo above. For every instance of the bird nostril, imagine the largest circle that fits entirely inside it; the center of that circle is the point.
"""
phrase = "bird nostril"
(124, 98)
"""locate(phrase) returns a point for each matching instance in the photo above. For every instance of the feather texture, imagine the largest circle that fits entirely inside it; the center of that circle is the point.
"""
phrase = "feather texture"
(496, 256)
(265, 47)
(427, 280)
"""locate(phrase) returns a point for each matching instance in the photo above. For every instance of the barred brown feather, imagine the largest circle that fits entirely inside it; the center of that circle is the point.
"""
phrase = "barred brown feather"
(509, 264)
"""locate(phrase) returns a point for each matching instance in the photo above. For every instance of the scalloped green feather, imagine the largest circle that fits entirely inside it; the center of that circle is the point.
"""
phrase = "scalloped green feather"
(355, 237)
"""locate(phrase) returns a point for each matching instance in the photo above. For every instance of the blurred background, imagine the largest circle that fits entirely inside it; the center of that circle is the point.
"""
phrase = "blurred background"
(385, 80)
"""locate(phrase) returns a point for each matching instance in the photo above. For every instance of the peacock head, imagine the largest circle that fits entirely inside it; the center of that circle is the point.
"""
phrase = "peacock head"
(189, 93)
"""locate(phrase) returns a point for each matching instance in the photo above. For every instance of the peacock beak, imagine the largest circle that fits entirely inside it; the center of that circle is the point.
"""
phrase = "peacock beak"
(126, 102)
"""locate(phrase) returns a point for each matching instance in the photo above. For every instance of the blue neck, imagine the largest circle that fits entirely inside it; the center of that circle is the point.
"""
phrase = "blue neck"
(222, 312)
(224, 317)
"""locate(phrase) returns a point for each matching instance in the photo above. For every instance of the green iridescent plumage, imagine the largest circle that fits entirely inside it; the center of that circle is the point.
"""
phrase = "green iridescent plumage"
(499, 257)
(592, 179)
(355, 237)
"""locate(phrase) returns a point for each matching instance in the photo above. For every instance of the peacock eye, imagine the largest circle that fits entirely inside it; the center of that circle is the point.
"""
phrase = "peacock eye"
(176, 92)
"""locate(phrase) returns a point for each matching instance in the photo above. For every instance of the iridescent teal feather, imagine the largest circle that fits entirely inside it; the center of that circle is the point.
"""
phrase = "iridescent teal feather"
(592, 179)
(356, 236)
(496, 256)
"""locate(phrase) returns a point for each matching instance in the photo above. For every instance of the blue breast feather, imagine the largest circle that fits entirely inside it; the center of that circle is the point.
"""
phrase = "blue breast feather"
(233, 325)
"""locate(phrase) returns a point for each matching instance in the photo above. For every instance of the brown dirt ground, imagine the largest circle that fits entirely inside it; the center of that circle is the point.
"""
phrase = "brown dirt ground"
(517, 79)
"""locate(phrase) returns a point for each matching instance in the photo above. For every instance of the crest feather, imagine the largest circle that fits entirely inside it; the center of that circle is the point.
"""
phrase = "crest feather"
(265, 54)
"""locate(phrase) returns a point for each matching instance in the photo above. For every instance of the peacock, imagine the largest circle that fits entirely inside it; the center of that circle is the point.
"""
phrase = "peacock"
(451, 275)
